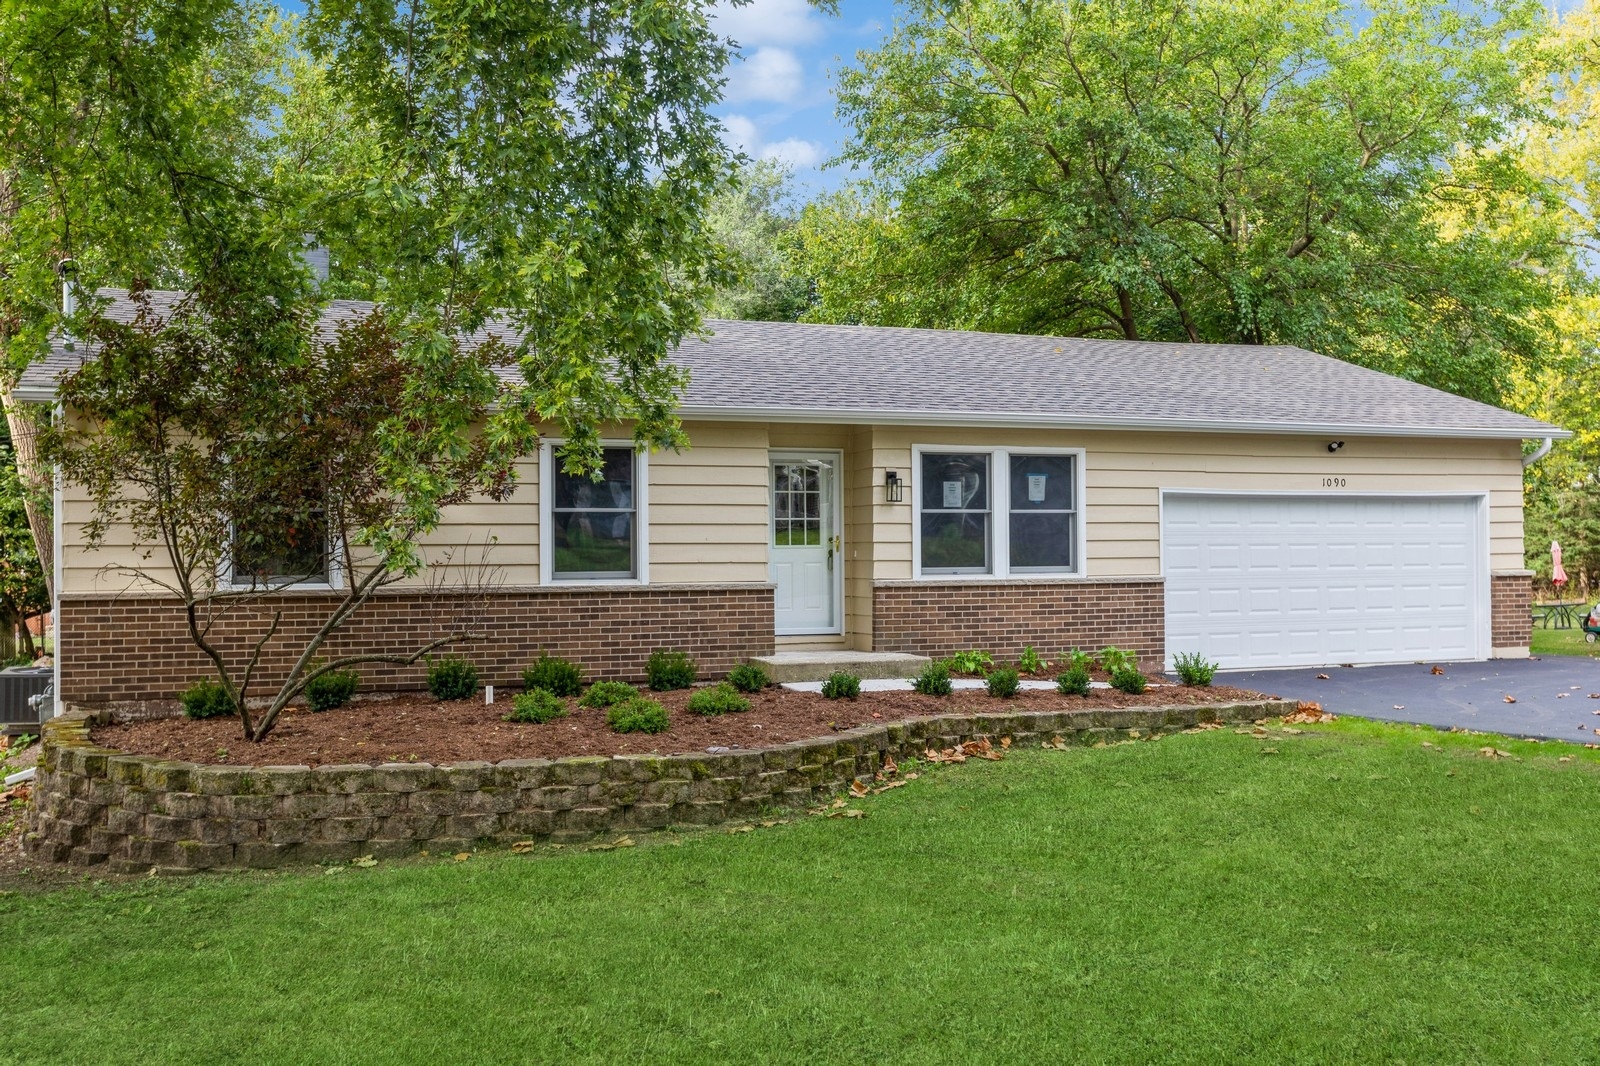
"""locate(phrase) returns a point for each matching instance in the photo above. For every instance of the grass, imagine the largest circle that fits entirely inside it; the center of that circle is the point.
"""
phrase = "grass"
(1342, 895)
(1562, 642)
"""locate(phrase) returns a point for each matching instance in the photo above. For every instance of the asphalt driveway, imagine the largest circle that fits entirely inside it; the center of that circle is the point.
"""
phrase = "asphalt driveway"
(1552, 694)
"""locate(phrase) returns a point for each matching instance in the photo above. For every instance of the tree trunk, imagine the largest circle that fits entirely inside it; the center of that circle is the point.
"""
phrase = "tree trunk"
(35, 482)
(26, 634)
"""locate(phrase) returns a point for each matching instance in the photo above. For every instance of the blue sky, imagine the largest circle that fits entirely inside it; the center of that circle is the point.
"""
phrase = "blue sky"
(779, 101)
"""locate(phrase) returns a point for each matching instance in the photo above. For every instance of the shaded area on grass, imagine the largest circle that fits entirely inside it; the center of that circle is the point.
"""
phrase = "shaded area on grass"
(1563, 642)
(1339, 893)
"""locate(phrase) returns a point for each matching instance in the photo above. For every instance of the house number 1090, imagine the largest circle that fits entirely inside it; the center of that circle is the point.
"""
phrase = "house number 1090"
(1333, 482)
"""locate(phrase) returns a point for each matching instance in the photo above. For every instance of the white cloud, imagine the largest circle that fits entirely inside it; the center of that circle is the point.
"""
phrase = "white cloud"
(781, 22)
(767, 74)
(741, 134)
(793, 152)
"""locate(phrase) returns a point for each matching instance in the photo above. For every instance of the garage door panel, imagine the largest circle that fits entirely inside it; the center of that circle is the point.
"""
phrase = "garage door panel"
(1290, 581)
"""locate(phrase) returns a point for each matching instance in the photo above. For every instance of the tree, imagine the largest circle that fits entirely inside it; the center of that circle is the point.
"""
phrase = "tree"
(754, 219)
(1257, 173)
(23, 595)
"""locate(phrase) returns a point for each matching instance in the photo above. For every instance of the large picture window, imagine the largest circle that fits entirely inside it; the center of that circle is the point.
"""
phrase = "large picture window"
(998, 511)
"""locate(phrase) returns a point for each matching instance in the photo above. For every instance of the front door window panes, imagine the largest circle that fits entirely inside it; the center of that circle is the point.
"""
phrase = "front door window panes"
(796, 505)
(955, 513)
(595, 522)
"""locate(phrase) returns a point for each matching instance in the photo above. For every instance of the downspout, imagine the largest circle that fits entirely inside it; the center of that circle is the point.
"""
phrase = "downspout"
(1539, 453)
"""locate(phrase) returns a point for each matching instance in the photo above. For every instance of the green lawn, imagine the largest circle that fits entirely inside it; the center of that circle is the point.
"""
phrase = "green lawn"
(1562, 642)
(1342, 895)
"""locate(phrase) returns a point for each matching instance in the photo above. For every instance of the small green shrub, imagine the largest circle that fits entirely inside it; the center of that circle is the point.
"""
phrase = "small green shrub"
(332, 689)
(555, 675)
(1032, 662)
(452, 678)
(1193, 668)
(748, 677)
(607, 694)
(1128, 680)
(933, 681)
(1003, 683)
(841, 686)
(206, 699)
(1115, 659)
(969, 662)
(718, 699)
(537, 705)
(1074, 681)
(668, 670)
(1077, 660)
(638, 715)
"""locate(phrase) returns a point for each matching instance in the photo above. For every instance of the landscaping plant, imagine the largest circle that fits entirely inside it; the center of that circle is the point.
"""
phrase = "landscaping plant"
(537, 705)
(933, 681)
(1002, 683)
(969, 662)
(721, 698)
(1193, 668)
(1128, 679)
(1074, 681)
(669, 670)
(555, 675)
(332, 689)
(1114, 659)
(206, 699)
(607, 693)
(638, 715)
(748, 677)
(1032, 662)
(841, 685)
(1077, 660)
(452, 678)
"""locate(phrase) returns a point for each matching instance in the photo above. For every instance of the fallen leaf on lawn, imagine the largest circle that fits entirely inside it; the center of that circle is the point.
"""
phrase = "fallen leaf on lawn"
(1438, 669)
(1005, 742)
(334, 870)
(857, 788)
(1511, 699)
(838, 803)
(889, 765)
(1245, 732)
(913, 776)
(742, 829)
(1322, 677)
(1294, 732)
(462, 856)
(522, 847)
(1269, 751)
(1565, 758)
(1494, 753)
(365, 862)
(855, 814)
(622, 842)
(1201, 727)
(775, 821)
(1060, 745)
(887, 787)
(1308, 713)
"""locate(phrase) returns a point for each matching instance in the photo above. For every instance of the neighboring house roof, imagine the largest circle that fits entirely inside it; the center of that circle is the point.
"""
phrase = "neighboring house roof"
(784, 371)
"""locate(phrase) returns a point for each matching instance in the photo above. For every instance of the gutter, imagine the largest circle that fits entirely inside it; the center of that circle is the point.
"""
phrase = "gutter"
(1542, 451)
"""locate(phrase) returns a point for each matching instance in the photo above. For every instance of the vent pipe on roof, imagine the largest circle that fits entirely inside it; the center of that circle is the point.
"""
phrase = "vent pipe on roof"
(68, 269)
(1539, 453)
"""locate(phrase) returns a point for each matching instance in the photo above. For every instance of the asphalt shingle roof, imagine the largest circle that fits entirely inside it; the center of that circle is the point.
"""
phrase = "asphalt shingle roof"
(782, 371)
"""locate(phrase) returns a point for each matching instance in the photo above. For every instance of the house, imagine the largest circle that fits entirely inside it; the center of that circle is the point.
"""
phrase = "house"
(863, 488)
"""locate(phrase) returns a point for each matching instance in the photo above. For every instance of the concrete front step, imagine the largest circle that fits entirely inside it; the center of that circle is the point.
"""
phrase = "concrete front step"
(787, 666)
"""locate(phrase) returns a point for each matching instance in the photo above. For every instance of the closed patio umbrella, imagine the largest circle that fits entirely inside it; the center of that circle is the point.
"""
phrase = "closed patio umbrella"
(1558, 576)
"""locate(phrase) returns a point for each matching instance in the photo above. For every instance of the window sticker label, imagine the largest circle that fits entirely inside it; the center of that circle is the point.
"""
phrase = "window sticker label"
(952, 494)
(1036, 488)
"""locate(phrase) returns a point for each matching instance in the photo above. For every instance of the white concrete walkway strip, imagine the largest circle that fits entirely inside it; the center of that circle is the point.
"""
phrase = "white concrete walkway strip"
(903, 684)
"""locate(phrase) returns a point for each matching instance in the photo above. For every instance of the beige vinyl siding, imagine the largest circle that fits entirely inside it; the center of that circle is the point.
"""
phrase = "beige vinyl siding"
(708, 507)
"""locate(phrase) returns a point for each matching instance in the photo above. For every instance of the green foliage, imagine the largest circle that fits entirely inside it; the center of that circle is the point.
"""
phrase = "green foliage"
(638, 715)
(1193, 668)
(555, 675)
(23, 592)
(332, 689)
(841, 686)
(1074, 681)
(969, 662)
(753, 219)
(452, 678)
(748, 677)
(1114, 659)
(207, 699)
(1076, 659)
(607, 693)
(933, 681)
(537, 705)
(668, 670)
(1128, 679)
(1032, 662)
(721, 698)
(1002, 683)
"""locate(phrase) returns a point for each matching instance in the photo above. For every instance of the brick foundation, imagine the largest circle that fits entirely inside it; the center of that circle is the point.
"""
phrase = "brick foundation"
(1510, 609)
(136, 649)
(1002, 617)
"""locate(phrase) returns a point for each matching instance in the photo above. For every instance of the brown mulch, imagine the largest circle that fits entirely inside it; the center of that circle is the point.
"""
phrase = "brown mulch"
(412, 728)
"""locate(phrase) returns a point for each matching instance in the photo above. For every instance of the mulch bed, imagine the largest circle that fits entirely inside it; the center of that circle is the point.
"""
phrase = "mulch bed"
(412, 728)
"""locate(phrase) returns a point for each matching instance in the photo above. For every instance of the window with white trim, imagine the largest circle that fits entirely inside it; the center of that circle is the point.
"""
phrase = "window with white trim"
(593, 528)
(998, 511)
(281, 538)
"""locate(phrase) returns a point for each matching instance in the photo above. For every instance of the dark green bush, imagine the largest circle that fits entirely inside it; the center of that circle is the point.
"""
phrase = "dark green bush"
(1002, 683)
(1128, 680)
(638, 715)
(841, 685)
(718, 699)
(537, 705)
(668, 670)
(452, 678)
(1074, 681)
(1193, 668)
(607, 693)
(332, 689)
(206, 699)
(933, 681)
(555, 675)
(748, 677)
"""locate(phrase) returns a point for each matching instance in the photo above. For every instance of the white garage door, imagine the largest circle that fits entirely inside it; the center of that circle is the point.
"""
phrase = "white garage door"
(1256, 581)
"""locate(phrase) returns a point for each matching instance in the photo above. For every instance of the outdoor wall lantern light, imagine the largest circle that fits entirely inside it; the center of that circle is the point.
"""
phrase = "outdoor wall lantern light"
(1335, 445)
(893, 487)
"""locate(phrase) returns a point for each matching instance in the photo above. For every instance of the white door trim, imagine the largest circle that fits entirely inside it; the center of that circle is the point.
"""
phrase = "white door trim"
(836, 456)
(1482, 610)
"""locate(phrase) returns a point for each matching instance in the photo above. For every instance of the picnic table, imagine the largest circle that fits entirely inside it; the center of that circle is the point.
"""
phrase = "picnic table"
(1563, 614)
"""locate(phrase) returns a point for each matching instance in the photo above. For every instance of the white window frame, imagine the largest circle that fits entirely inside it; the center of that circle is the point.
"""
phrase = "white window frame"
(1000, 512)
(641, 517)
(334, 582)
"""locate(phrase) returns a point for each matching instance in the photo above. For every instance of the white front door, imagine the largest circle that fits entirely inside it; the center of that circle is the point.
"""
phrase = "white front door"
(1269, 580)
(804, 542)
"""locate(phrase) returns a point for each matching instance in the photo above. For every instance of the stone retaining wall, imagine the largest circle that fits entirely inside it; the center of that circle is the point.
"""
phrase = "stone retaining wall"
(96, 805)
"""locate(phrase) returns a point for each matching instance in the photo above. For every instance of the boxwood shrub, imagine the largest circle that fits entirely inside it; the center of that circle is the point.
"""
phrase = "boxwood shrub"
(1128, 680)
(607, 693)
(1074, 681)
(1002, 683)
(668, 670)
(841, 685)
(452, 678)
(638, 715)
(718, 699)
(332, 689)
(555, 675)
(206, 699)
(748, 677)
(933, 681)
(537, 705)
